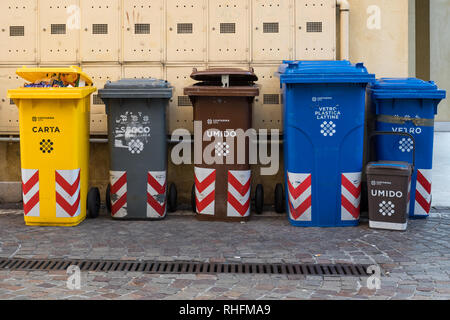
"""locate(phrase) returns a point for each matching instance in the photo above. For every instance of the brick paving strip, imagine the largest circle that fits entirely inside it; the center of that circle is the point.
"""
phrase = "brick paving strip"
(416, 262)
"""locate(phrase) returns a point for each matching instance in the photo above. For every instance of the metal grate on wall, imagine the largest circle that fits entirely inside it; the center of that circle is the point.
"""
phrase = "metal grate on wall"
(185, 28)
(16, 31)
(271, 99)
(99, 29)
(271, 27)
(96, 99)
(142, 28)
(58, 29)
(228, 28)
(314, 27)
(184, 101)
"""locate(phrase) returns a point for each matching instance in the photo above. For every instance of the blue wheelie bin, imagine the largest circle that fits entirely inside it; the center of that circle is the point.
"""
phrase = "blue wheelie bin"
(408, 105)
(324, 108)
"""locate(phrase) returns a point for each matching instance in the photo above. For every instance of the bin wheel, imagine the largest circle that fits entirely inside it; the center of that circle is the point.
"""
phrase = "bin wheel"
(93, 203)
(279, 199)
(172, 198)
(108, 198)
(259, 199)
(194, 209)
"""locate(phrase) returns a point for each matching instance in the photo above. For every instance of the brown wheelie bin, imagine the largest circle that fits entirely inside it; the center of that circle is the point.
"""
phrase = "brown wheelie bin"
(222, 101)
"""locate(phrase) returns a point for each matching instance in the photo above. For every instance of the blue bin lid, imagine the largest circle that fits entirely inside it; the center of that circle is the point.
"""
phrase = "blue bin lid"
(332, 71)
(405, 88)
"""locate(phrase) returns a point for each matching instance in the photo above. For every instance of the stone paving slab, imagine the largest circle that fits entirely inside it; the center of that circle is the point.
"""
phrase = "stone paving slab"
(416, 263)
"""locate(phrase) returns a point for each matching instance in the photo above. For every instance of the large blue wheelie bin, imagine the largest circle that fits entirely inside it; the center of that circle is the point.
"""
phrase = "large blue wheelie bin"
(324, 109)
(408, 105)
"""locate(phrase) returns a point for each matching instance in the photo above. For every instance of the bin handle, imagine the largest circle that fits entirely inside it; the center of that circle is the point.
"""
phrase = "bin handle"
(388, 133)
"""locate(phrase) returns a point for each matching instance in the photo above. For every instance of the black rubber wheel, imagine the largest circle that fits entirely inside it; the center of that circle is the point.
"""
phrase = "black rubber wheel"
(279, 199)
(259, 199)
(172, 198)
(93, 203)
(193, 205)
(108, 198)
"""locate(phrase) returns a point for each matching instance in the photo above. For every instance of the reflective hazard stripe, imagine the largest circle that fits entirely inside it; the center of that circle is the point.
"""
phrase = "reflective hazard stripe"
(67, 187)
(300, 196)
(350, 196)
(118, 180)
(205, 184)
(30, 192)
(238, 203)
(156, 194)
(423, 193)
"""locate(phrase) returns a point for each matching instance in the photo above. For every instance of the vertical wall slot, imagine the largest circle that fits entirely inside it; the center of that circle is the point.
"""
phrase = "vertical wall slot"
(58, 29)
(142, 28)
(99, 29)
(185, 28)
(17, 31)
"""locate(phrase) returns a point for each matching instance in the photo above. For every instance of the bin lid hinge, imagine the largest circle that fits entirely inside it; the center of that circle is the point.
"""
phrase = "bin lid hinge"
(225, 80)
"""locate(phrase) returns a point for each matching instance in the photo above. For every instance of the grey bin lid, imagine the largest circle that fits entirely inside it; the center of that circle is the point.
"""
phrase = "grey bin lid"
(136, 89)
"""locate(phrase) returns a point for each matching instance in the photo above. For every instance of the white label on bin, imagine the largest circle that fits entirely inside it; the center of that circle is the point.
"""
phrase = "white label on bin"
(350, 196)
(30, 192)
(386, 208)
(406, 145)
(205, 185)
(300, 200)
(423, 193)
(132, 131)
(156, 194)
(68, 193)
(238, 203)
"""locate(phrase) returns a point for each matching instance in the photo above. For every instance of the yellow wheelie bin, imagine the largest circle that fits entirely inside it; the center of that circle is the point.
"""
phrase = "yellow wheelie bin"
(54, 116)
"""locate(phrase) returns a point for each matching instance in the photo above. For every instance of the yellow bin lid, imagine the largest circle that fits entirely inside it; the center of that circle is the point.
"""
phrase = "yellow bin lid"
(36, 74)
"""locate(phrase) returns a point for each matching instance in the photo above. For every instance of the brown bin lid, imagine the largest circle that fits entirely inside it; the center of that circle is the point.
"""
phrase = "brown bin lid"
(240, 83)
(391, 168)
(215, 75)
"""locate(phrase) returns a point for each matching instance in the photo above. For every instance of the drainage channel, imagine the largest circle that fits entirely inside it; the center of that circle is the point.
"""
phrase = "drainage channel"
(162, 267)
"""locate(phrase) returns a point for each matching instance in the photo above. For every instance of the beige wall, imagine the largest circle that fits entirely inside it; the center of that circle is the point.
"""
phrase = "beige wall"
(440, 51)
(384, 51)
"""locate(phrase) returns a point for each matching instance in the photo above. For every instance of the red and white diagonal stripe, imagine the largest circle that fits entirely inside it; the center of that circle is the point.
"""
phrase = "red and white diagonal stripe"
(350, 196)
(423, 193)
(156, 194)
(238, 193)
(205, 185)
(300, 196)
(118, 180)
(30, 192)
(68, 195)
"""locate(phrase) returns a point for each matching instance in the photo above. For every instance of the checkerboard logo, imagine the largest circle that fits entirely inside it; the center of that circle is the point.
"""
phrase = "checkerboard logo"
(46, 146)
(135, 146)
(406, 145)
(222, 149)
(328, 128)
(387, 208)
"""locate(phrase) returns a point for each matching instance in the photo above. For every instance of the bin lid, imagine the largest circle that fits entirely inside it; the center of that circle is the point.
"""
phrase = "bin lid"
(332, 71)
(397, 168)
(137, 88)
(215, 75)
(406, 88)
(36, 74)
(238, 83)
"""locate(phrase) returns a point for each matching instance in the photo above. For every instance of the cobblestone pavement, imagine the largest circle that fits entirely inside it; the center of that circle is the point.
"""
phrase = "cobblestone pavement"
(416, 263)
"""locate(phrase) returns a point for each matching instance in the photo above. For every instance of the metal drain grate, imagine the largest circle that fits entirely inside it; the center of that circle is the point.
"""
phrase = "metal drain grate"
(342, 270)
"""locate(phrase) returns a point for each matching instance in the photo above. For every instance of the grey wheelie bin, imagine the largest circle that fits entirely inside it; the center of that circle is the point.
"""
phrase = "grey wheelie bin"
(136, 110)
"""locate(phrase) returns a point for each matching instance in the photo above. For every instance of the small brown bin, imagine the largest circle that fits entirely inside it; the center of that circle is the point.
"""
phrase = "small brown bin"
(389, 188)
(222, 103)
(389, 185)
